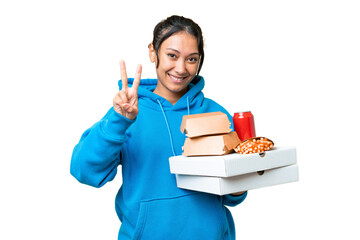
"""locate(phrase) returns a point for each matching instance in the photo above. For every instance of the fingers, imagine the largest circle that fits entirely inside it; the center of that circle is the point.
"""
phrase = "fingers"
(126, 100)
(125, 108)
(124, 79)
(120, 102)
(122, 97)
(137, 77)
(123, 74)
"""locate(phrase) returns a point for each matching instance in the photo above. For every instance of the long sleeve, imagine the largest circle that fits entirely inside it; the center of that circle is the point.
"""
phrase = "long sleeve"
(97, 155)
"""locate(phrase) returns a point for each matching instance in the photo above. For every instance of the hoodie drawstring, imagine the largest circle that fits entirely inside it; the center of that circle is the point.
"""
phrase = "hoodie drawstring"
(167, 123)
(168, 128)
(188, 105)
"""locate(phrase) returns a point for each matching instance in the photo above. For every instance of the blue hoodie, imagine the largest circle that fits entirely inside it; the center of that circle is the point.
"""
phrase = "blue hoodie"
(149, 204)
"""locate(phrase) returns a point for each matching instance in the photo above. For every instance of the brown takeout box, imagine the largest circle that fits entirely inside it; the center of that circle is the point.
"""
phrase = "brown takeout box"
(211, 145)
(196, 125)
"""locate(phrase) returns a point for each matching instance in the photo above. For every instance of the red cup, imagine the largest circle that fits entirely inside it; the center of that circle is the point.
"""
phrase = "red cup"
(244, 125)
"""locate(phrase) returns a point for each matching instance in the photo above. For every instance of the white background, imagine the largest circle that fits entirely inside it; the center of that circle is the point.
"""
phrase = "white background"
(294, 64)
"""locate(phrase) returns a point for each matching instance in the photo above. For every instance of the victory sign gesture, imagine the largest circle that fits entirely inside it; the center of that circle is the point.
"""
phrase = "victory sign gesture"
(126, 100)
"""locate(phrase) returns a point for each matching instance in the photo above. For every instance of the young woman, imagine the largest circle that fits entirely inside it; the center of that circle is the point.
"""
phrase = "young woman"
(142, 130)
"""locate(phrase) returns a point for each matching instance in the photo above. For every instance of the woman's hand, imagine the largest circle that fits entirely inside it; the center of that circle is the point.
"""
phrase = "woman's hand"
(126, 100)
(238, 193)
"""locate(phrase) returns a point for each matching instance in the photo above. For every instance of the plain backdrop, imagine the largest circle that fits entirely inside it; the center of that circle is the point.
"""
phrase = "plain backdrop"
(294, 64)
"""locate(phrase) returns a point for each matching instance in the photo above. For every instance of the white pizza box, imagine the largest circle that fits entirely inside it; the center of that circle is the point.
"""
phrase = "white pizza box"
(222, 186)
(232, 164)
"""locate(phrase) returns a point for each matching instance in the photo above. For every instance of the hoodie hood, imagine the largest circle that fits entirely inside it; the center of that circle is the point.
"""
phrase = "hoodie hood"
(192, 98)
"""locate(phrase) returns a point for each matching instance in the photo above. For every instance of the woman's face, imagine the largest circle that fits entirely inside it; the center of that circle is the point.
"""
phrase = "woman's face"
(179, 61)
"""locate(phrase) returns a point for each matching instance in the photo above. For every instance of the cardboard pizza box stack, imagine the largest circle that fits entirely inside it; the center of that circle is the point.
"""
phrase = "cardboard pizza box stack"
(209, 164)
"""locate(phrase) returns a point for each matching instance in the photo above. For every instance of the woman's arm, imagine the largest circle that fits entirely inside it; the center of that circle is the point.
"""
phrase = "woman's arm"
(97, 155)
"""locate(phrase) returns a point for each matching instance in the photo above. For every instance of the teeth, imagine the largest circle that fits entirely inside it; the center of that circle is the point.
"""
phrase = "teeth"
(175, 78)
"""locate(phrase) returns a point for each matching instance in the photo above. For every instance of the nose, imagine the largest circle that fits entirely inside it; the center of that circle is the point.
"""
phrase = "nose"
(180, 67)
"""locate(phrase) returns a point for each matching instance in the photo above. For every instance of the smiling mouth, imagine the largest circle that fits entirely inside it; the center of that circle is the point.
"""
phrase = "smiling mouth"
(177, 79)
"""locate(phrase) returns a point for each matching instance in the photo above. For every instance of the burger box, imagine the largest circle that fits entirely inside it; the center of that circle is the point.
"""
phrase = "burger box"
(244, 182)
(211, 145)
(235, 172)
(196, 125)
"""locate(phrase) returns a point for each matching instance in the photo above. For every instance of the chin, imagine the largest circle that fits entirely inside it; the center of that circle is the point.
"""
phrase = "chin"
(178, 90)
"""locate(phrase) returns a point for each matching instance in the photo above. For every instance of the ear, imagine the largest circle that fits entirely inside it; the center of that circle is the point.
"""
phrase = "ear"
(152, 53)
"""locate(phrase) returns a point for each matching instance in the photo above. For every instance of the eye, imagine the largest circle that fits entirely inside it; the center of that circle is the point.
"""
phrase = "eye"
(171, 55)
(193, 59)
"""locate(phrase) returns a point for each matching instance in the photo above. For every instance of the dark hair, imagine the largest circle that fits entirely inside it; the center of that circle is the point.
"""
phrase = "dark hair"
(172, 25)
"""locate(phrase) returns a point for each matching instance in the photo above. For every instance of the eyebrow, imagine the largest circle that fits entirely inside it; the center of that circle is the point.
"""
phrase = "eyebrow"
(172, 49)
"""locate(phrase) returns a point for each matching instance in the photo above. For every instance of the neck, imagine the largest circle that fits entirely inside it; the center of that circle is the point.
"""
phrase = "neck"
(172, 97)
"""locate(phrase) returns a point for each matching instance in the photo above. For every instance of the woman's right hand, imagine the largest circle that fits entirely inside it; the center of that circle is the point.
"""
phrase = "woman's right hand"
(126, 100)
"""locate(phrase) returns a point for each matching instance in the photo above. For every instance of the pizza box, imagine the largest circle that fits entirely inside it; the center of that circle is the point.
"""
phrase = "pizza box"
(244, 182)
(234, 163)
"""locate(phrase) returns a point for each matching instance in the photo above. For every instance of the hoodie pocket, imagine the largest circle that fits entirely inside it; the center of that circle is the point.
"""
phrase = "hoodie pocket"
(194, 216)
